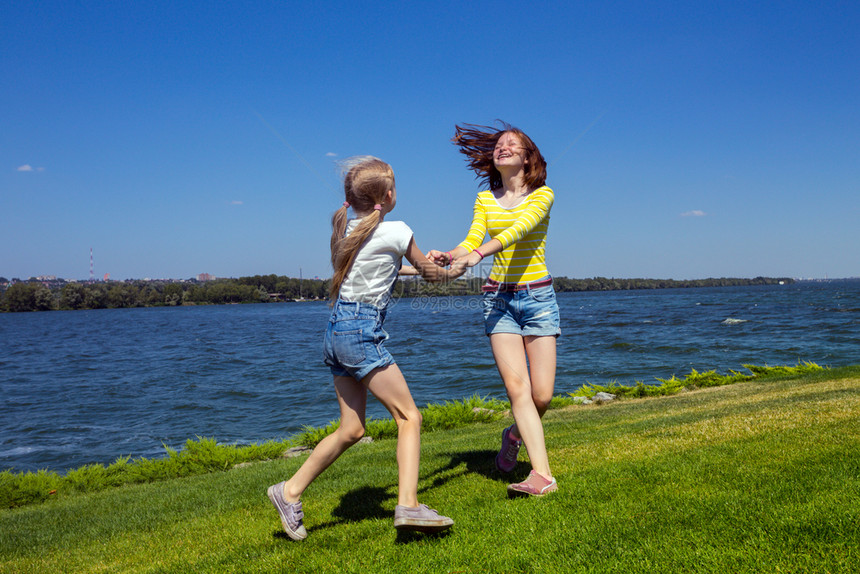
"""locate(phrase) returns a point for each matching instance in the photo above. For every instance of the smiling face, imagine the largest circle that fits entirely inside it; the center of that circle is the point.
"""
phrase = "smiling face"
(509, 152)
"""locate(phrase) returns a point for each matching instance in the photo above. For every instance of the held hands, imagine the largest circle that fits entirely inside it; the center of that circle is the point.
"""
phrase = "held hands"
(443, 258)
(456, 270)
(468, 260)
(440, 258)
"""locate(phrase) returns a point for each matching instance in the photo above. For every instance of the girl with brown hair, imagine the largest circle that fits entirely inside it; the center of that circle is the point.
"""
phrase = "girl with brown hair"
(366, 254)
(521, 315)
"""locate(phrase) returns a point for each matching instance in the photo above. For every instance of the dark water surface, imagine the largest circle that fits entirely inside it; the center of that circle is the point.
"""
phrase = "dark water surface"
(79, 387)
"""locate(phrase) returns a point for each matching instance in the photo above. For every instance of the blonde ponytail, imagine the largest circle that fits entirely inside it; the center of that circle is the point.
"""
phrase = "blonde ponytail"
(338, 229)
(346, 249)
(366, 184)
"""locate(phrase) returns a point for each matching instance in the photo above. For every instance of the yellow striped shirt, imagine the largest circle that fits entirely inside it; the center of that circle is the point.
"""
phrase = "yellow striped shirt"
(521, 231)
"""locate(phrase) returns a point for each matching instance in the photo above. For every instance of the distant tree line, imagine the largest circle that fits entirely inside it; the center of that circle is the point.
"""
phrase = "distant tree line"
(34, 295)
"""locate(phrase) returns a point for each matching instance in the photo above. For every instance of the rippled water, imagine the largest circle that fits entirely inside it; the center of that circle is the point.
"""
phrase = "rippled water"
(88, 386)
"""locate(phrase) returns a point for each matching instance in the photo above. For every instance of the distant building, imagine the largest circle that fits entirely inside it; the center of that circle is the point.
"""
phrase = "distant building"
(206, 277)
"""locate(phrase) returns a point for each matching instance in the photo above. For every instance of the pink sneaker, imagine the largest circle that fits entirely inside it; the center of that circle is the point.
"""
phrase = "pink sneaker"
(506, 460)
(534, 485)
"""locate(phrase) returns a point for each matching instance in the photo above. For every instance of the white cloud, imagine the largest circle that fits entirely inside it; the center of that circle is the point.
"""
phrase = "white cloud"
(237, 203)
(694, 213)
(331, 154)
(25, 167)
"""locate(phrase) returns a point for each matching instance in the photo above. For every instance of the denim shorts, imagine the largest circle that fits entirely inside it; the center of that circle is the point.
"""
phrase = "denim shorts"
(353, 344)
(530, 312)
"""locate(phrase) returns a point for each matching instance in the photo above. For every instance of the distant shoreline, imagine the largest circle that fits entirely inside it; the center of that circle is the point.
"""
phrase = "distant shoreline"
(38, 295)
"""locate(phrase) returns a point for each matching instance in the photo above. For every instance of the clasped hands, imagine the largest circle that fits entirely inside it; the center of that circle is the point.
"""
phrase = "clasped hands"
(443, 258)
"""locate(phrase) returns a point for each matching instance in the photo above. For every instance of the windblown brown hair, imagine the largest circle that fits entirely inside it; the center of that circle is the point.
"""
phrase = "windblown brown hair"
(365, 184)
(477, 144)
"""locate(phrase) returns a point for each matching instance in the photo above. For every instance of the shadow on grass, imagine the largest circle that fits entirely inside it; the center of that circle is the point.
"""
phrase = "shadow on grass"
(408, 536)
(480, 462)
(367, 502)
(363, 504)
(356, 505)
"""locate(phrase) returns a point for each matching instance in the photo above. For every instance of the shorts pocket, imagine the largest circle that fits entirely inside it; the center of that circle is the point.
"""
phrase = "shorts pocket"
(348, 346)
(543, 294)
(490, 302)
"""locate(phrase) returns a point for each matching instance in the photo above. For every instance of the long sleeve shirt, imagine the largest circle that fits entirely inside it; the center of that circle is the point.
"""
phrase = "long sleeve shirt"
(521, 230)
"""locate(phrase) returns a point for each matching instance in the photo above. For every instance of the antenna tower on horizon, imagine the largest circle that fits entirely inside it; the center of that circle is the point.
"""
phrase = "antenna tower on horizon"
(92, 275)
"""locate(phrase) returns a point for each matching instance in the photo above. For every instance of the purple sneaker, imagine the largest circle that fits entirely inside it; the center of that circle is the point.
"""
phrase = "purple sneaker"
(506, 460)
(290, 512)
(421, 518)
(534, 485)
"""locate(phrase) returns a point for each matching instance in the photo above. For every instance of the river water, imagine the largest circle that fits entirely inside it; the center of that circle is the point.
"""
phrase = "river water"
(80, 387)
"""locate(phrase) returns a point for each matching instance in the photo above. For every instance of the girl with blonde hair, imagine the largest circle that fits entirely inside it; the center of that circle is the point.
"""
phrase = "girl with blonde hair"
(366, 254)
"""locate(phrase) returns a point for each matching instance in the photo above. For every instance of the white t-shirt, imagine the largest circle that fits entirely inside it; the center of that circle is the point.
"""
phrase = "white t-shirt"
(372, 276)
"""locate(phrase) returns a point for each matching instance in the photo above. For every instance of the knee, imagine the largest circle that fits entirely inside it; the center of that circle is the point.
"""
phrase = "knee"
(350, 434)
(411, 417)
(518, 392)
(541, 403)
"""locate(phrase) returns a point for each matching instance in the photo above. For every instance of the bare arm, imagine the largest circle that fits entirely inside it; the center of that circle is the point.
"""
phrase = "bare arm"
(462, 257)
(442, 258)
(427, 268)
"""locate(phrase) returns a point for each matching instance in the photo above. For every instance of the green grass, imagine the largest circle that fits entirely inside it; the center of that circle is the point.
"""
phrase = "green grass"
(759, 476)
(206, 455)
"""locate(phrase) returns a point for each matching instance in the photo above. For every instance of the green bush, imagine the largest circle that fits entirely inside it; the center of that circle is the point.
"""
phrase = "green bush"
(695, 380)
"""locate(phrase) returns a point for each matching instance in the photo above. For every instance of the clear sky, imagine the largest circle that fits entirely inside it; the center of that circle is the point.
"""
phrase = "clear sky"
(684, 139)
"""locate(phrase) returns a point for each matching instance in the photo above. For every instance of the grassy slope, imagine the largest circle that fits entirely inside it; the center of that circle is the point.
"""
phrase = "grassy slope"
(762, 476)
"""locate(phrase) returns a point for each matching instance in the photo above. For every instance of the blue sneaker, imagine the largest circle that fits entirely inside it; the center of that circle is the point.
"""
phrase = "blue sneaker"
(290, 512)
(506, 460)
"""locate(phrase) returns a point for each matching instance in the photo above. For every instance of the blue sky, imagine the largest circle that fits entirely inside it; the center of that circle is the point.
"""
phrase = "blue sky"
(685, 139)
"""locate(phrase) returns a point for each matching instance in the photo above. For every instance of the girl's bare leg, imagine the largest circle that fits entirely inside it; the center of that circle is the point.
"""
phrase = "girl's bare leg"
(352, 398)
(389, 386)
(509, 351)
(541, 352)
